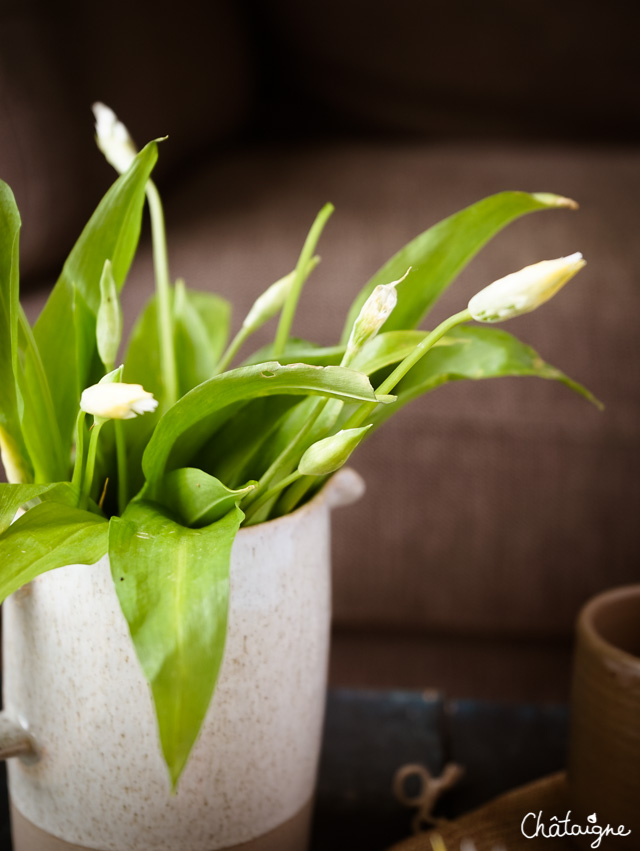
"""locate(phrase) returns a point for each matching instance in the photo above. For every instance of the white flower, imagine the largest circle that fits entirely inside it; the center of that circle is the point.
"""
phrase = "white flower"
(375, 312)
(524, 291)
(113, 138)
(117, 401)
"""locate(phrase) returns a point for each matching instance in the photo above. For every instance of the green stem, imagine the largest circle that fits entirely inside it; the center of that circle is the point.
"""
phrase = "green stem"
(289, 309)
(288, 454)
(121, 455)
(264, 499)
(78, 465)
(232, 350)
(388, 385)
(296, 492)
(163, 288)
(91, 462)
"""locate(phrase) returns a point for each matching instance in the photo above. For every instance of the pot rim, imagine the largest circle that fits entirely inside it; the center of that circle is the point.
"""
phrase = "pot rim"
(345, 486)
(589, 634)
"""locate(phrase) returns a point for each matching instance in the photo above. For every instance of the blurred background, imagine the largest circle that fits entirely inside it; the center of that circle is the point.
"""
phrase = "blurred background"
(494, 509)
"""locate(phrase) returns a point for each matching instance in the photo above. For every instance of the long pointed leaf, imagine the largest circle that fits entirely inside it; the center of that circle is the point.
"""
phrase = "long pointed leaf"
(9, 241)
(13, 497)
(194, 497)
(201, 327)
(173, 587)
(474, 352)
(439, 254)
(49, 535)
(235, 452)
(201, 332)
(112, 233)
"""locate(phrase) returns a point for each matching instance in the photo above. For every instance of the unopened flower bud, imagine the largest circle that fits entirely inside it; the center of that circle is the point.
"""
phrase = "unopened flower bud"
(117, 401)
(273, 298)
(524, 291)
(109, 318)
(328, 455)
(113, 138)
(375, 312)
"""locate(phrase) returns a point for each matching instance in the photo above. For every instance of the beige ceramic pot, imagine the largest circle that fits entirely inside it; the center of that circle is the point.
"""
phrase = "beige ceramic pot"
(604, 758)
(75, 695)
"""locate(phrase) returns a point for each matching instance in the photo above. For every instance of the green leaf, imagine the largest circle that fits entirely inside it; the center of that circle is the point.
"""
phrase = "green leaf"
(37, 415)
(142, 366)
(49, 535)
(201, 327)
(29, 435)
(112, 233)
(185, 427)
(237, 451)
(475, 353)
(173, 587)
(13, 497)
(291, 425)
(299, 351)
(387, 348)
(194, 497)
(9, 241)
(201, 332)
(439, 254)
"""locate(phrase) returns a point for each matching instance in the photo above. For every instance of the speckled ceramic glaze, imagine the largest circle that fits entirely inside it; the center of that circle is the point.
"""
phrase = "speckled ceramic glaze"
(71, 676)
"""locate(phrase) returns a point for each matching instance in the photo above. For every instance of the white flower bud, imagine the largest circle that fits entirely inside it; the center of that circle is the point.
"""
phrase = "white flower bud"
(269, 303)
(524, 291)
(109, 318)
(117, 401)
(375, 312)
(328, 455)
(113, 138)
(273, 298)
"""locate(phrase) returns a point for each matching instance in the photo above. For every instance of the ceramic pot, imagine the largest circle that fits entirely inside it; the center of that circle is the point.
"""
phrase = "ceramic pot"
(604, 756)
(94, 777)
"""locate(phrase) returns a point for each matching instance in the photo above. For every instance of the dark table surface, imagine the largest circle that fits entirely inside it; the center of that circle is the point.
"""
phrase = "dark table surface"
(369, 735)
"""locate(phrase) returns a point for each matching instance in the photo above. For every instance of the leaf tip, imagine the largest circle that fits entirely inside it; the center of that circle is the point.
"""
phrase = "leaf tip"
(549, 199)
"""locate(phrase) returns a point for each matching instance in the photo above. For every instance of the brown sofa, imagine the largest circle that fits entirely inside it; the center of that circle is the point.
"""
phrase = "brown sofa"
(493, 509)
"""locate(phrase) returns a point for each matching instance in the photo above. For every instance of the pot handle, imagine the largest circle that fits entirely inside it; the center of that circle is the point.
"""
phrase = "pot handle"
(16, 740)
(345, 487)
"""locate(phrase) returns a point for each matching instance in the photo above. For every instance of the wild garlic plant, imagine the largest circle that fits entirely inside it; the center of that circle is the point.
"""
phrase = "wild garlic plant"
(158, 460)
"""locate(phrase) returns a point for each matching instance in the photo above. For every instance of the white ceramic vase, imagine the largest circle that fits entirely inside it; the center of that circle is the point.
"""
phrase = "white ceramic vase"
(72, 684)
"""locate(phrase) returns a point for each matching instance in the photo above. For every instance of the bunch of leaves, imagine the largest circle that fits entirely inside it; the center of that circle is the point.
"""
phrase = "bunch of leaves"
(229, 451)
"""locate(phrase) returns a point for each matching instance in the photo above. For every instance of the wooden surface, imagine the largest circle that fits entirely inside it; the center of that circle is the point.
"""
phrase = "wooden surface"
(369, 735)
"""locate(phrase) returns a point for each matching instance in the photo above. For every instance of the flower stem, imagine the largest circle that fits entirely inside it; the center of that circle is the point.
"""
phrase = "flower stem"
(388, 385)
(78, 465)
(232, 350)
(163, 288)
(288, 454)
(91, 462)
(289, 309)
(296, 492)
(121, 455)
(264, 499)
